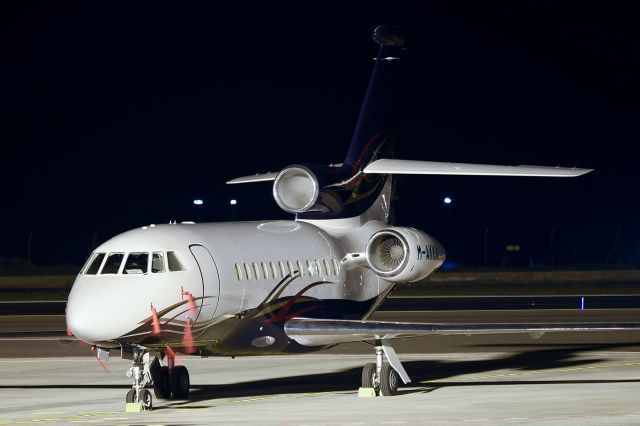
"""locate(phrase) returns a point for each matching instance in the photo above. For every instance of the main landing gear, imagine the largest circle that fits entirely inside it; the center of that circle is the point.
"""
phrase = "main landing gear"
(168, 381)
(383, 377)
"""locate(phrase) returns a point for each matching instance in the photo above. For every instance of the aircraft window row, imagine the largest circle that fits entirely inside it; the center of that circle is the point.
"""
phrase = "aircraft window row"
(136, 263)
(280, 269)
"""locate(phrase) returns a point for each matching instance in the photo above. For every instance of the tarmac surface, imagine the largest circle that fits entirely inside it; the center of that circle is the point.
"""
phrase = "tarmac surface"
(557, 379)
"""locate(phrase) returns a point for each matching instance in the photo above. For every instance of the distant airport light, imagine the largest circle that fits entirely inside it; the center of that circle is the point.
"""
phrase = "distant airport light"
(233, 202)
(198, 202)
(447, 200)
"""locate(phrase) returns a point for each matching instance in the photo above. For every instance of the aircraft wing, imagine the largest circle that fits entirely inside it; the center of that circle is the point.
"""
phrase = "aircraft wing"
(36, 335)
(320, 332)
(411, 167)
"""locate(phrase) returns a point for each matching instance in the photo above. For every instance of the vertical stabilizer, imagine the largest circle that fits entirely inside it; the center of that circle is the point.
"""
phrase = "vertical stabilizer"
(374, 132)
(345, 191)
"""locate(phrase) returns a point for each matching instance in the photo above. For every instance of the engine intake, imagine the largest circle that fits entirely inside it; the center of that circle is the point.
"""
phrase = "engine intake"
(387, 253)
(296, 189)
(403, 254)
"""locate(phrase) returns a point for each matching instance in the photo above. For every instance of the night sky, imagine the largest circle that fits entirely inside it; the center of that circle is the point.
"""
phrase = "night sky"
(117, 115)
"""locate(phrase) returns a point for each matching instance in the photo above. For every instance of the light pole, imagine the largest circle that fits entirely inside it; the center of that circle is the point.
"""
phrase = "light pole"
(448, 205)
(233, 203)
(198, 203)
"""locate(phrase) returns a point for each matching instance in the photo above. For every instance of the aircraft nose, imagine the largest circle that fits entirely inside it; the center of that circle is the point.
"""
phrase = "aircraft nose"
(88, 316)
(88, 323)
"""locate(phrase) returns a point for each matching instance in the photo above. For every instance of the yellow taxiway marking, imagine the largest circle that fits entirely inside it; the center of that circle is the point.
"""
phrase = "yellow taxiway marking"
(537, 372)
(70, 418)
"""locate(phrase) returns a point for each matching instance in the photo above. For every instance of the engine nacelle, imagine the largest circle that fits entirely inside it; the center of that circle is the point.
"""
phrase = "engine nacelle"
(310, 188)
(296, 189)
(403, 255)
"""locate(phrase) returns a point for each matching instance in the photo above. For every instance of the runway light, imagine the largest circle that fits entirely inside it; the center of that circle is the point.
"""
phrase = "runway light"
(233, 202)
(447, 200)
(198, 202)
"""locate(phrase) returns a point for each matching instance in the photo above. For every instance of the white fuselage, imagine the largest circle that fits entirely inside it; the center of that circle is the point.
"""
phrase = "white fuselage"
(245, 278)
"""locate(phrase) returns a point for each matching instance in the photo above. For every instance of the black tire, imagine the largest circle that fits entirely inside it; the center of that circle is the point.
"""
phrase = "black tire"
(131, 396)
(146, 399)
(368, 373)
(162, 383)
(389, 380)
(180, 382)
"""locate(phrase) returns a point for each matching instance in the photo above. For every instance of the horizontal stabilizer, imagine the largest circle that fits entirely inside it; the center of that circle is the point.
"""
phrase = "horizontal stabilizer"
(319, 332)
(411, 167)
(264, 177)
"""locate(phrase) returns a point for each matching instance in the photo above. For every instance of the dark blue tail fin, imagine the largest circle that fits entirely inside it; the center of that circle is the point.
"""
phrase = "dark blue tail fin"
(374, 133)
(344, 191)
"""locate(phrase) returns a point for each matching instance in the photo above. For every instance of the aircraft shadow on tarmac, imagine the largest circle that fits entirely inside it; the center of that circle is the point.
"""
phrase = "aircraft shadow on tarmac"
(422, 374)
(425, 376)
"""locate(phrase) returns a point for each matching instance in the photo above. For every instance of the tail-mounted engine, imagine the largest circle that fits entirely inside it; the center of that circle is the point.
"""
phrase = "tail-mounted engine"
(307, 188)
(403, 254)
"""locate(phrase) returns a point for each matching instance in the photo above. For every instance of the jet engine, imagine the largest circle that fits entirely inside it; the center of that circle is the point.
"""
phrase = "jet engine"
(310, 188)
(296, 189)
(403, 255)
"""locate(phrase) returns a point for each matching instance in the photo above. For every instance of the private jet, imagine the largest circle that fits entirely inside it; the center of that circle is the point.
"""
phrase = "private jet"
(282, 286)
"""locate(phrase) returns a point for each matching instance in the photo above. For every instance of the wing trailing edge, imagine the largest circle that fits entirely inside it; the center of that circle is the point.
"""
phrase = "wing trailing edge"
(412, 167)
(319, 332)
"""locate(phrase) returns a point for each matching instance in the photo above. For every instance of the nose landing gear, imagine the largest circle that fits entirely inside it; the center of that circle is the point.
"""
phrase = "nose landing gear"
(168, 381)
(139, 398)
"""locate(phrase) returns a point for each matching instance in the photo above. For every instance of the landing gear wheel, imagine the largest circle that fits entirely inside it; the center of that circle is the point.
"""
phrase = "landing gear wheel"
(180, 382)
(146, 400)
(368, 375)
(388, 380)
(131, 396)
(162, 383)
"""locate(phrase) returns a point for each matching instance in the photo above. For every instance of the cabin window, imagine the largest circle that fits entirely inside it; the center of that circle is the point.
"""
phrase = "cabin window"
(282, 272)
(246, 270)
(290, 267)
(174, 262)
(157, 262)
(256, 272)
(327, 266)
(137, 263)
(265, 270)
(319, 266)
(300, 268)
(238, 272)
(336, 267)
(274, 272)
(312, 268)
(112, 264)
(94, 266)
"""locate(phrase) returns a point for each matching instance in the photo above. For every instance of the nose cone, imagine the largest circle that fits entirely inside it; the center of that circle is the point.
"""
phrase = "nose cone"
(88, 313)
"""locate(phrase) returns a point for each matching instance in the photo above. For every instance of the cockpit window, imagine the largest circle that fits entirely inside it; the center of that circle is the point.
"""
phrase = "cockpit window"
(174, 263)
(112, 264)
(137, 263)
(94, 266)
(157, 262)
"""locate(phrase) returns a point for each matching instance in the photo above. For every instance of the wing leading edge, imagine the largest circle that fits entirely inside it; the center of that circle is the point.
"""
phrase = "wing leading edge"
(319, 332)
(411, 167)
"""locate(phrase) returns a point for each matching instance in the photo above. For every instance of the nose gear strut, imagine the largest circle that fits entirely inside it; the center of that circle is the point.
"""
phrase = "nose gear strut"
(140, 371)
